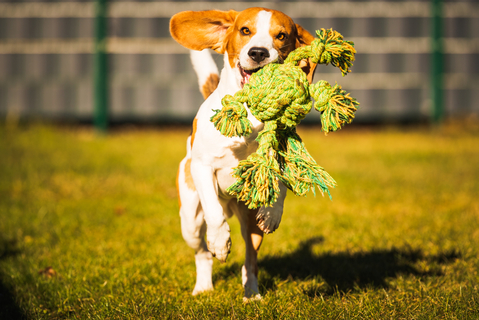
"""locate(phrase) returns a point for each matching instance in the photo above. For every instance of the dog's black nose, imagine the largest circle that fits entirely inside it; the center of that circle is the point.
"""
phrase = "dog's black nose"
(258, 54)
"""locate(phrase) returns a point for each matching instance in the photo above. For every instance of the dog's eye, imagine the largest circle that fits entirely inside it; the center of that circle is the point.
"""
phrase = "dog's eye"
(245, 31)
(281, 36)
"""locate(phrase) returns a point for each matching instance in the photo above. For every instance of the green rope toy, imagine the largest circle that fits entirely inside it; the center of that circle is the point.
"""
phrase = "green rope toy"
(280, 95)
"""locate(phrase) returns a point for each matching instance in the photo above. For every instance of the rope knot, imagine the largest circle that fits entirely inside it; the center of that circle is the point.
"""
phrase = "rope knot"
(338, 52)
(317, 50)
(232, 119)
(335, 105)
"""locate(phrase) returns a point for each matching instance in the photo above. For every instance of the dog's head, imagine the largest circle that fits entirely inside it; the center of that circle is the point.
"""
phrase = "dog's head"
(251, 38)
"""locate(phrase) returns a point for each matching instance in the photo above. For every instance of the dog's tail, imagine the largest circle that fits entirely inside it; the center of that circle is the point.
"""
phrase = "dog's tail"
(206, 70)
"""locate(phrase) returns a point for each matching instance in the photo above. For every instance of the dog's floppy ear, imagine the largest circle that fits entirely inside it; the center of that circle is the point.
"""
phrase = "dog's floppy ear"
(198, 30)
(304, 39)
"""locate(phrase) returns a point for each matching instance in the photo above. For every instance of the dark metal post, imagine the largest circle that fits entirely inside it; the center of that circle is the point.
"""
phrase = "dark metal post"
(437, 63)
(100, 66)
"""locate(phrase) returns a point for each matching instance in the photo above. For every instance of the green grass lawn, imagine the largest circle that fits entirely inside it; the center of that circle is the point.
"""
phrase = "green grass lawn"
(89, 229)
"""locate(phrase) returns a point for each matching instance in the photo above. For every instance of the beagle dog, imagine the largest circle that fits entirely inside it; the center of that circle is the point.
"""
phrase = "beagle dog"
(249, 40)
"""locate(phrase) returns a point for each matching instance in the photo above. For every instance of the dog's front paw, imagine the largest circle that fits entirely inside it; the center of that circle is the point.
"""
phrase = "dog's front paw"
(199, 288)
(219, 241)
(268, 219)
(254, 298)
(204, 270)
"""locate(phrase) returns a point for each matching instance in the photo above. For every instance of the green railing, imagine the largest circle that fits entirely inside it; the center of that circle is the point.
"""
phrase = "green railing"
(101, 86)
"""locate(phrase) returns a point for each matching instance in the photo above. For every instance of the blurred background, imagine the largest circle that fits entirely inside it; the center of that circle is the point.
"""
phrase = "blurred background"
(47, 58)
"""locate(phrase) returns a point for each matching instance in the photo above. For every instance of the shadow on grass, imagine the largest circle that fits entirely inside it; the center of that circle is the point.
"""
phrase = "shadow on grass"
(344, 271)
(8, 307)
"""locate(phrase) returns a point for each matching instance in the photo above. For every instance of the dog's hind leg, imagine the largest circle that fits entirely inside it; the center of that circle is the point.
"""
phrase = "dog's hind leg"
(193, 227)
(253, 237)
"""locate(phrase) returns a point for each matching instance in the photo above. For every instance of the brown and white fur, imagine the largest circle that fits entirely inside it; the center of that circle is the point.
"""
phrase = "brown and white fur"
(249, 40)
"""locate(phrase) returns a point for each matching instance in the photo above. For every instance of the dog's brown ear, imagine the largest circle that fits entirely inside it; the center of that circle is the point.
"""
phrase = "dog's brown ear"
(198, 30)
(304, 39)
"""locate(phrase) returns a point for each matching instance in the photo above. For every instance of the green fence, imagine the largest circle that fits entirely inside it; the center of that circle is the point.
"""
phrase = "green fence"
(47, 58)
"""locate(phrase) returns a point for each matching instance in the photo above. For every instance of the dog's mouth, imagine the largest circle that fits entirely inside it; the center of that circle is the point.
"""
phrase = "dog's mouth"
(246, 74)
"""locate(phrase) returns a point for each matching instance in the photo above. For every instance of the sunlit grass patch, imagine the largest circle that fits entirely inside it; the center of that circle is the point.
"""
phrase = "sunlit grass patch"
(89, 228)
